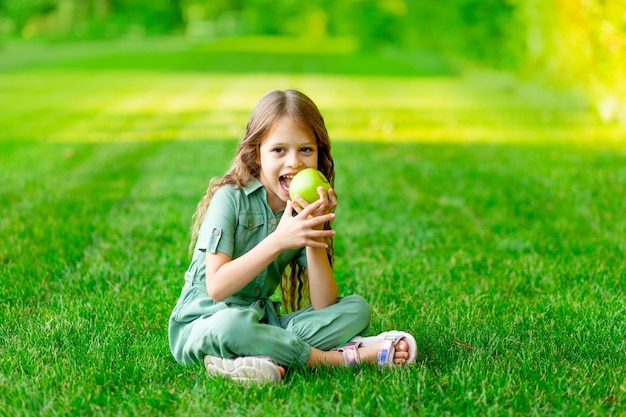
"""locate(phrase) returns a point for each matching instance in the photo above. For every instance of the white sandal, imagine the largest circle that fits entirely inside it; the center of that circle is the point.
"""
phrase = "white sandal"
(244, 369)
(386, 351)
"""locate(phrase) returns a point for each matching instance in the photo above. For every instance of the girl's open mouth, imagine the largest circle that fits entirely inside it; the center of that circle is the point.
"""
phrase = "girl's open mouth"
(285, 181)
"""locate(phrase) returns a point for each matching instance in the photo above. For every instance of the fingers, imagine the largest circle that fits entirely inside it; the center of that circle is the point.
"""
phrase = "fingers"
(300, 203)
(316, 226)
(316, 221)
(289, 208)
(327, 202)
(329, 199)
(304, 229)
(332, 199)
(312, 243)
(321, 192)
(307, 212)
(316, 208)
(314, 238)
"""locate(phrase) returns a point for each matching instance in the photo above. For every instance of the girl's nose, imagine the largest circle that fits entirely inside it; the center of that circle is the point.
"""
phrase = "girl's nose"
(295, 163)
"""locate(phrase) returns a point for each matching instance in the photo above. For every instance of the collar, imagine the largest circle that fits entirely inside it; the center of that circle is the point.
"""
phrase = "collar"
(252, 185)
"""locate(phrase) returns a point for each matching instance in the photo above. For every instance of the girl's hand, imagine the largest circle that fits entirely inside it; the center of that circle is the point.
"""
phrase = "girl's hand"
(328, 202)
(306, 228)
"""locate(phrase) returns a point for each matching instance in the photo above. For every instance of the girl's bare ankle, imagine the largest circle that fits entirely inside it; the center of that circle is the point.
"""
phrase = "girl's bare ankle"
(369, 354)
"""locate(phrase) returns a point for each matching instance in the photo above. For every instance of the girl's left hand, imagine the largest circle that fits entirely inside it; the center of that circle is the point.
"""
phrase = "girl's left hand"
(329, 202)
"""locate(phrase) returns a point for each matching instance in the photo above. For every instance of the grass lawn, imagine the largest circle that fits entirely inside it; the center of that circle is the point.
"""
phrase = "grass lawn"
(484, 216)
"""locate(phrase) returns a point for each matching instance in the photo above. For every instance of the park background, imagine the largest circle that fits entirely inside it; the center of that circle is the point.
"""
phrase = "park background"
(578, 44)
(481, 170)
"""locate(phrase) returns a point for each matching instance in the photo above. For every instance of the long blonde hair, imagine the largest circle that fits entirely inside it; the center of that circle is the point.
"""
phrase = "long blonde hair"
(270, 109)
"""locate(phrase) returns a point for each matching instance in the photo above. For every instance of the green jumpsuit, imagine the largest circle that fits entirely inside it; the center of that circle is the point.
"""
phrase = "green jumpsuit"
(247, 323)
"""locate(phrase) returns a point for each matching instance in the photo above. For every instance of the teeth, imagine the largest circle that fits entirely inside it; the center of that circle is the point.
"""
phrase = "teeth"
(286, 183)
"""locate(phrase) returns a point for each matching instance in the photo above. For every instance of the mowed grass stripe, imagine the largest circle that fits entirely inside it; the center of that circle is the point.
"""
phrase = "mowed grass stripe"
(494, 267)
(375, 108)
(81, 319)
(477, 260)
(70, 202)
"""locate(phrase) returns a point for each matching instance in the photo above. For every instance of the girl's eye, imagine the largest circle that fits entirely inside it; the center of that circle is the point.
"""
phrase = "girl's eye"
(279, 150)
(306, 149)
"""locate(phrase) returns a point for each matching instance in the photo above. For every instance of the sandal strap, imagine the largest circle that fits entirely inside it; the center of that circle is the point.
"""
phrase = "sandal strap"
(350, 353)
(387, 351)
(386, 343)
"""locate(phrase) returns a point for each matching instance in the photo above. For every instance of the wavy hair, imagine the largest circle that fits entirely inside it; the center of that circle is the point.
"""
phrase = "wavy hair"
(271, 108)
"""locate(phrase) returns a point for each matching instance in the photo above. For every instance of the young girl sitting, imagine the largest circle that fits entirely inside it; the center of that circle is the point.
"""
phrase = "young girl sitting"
(249, 238)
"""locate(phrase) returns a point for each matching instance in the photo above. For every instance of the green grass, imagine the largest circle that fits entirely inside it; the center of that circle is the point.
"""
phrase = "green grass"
(485, 217)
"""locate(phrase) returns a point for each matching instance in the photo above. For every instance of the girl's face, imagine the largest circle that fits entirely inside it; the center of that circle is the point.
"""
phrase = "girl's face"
(287, 150)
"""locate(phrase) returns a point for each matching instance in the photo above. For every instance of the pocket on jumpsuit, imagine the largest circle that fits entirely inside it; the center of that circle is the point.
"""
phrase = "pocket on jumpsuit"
(193, 304)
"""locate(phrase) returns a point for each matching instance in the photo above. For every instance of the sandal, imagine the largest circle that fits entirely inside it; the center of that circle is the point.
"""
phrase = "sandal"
(244, 369)
(386, 351)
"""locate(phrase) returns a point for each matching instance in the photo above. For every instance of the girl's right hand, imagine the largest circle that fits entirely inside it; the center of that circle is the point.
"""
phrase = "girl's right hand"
(304, 229)
(329, 202)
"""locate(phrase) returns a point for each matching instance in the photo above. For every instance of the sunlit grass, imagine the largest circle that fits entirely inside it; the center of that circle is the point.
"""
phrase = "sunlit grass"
(130, 102)
(83, 106)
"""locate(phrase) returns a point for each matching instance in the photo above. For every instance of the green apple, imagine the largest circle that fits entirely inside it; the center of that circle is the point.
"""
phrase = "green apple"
(305, 184)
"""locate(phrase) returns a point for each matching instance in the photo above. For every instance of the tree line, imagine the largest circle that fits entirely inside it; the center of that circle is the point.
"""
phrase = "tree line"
(571, 41)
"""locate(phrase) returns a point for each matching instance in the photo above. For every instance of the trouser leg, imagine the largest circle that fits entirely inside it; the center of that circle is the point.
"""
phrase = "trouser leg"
(234, 332)
(331, 326)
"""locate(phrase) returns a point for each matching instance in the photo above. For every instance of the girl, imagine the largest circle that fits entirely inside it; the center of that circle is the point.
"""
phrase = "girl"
(250, 240)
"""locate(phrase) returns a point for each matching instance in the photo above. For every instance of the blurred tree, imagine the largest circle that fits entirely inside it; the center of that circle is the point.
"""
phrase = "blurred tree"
(64, 17)
(489, 31)
(155, 16)
(20, 11)
(578, 42)
(480, 30)
(373, 23)
(207, 19)
(569, 41)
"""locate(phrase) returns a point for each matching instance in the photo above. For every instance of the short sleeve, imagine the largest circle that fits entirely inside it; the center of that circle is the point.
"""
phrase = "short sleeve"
(217, 232)
(214, 240)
